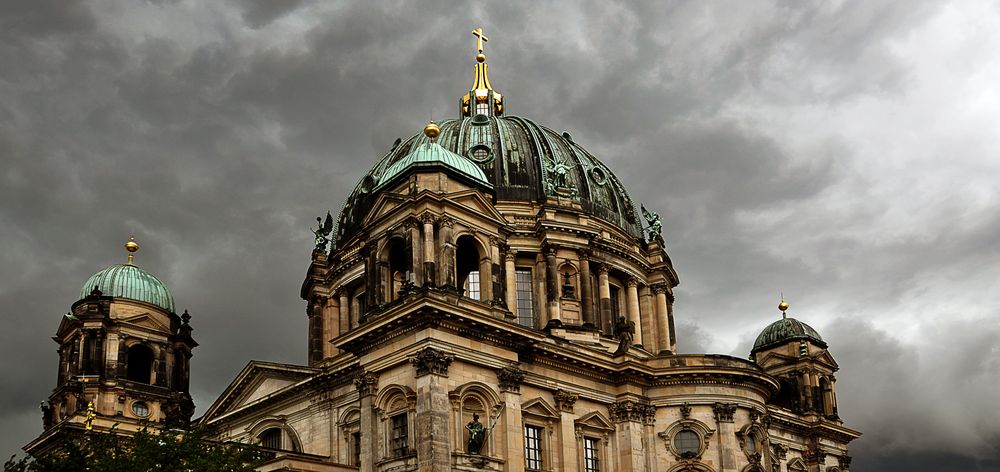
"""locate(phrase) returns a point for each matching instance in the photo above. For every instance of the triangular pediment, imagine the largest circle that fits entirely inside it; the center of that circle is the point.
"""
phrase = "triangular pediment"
(595, 420)
(145, 320)
(257, 381)
(539, 407)
(825, 358)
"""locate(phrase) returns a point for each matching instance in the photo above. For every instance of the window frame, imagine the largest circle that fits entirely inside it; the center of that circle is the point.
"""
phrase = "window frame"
(539, 450)
(591, 455)
(525, 305)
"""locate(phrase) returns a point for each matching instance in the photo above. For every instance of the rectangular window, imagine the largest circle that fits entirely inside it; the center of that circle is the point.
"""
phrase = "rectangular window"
(532, 447)
(590, 461)
(472, 285)
(483, 108)
(399, 434)
(525, 302)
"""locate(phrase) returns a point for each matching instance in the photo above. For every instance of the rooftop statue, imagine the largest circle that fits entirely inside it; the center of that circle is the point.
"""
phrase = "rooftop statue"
(322, 231)
(653, 220)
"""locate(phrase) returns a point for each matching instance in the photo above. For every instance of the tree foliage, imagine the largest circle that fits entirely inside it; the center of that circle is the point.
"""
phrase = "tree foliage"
(146, 450)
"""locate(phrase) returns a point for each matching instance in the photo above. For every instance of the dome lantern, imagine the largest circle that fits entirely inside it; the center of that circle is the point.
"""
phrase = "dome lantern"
(482, 99)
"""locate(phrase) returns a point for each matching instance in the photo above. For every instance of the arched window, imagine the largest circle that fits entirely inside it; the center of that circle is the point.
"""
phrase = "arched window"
(140, 364)
(467, 259)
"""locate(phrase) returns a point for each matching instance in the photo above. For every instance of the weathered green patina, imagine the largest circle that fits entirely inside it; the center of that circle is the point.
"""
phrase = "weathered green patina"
(131, 282)
(430, 155)
(784, 330)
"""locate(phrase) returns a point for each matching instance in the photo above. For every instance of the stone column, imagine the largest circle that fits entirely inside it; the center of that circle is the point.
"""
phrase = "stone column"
(315, 313)
(552, 285)
(806, 382)
(632, 296)
(496, 286)
(416, 253)
(724, 413)
(510, 438)
(511, 280)
(604, 292)
(367, 384)
(833, 395)
(446, 266)
(345, 311)
(662, 317)
(331, 326)
(428, 246)
(541, 308)
(569, 459)
(586, 290)
(432, 428)
(629, 432)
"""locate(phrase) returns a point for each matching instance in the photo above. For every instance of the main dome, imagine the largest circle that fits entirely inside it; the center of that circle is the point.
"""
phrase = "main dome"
(519, 158)
(131, 282)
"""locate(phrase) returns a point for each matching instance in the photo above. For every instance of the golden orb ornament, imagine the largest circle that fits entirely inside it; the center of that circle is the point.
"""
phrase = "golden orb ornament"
(783, 306)
(131, 245)
(480, 57)
(432, 130)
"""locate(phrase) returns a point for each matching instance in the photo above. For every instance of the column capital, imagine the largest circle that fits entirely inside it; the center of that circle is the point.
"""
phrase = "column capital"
(724, 412)
(630, 410)
(659, 288)
(427, 218)
(584, 254)
(495, 241)
(565, 400)
(632, 282)
(509, 379)
(431, 361)
(446, 221)
(366, 383)
(602, 269)
(510, 255)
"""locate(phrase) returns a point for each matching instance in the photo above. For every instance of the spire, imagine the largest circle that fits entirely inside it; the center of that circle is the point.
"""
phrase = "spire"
(482, 99)
(131, 246)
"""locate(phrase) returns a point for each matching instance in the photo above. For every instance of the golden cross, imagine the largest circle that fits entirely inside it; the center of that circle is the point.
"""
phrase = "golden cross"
(480, 39)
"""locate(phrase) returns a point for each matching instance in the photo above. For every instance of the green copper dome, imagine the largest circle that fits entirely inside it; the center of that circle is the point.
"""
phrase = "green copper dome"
(131, 282)
(431, 154)
(784, 330)
(517, 157)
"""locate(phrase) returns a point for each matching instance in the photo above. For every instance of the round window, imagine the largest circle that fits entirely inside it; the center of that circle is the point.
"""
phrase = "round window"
(687, 443)
(141, 409)
(598, 176)
(752, 443)
(480, 153)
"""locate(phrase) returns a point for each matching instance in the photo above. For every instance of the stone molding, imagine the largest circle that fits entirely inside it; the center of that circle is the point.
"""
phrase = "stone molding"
(631, 410)
(431, 361)
(685, 410)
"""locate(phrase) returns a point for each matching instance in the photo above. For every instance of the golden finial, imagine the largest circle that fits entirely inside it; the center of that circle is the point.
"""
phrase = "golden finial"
(432, 130)
(482, 99)
(91, 414)
(783, 306)
(131, 246)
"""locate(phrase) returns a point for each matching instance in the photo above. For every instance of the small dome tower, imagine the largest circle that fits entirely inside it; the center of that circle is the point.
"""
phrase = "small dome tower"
(124, 357)
(797, 356)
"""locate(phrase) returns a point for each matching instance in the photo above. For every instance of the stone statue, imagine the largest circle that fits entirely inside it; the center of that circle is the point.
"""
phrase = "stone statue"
(625, 332)
(558, 176)
(322, 231)
(653, 220)
(46, 408)
(477, 435)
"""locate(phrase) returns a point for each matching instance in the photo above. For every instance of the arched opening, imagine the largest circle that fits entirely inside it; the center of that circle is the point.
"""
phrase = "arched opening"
(399, 267)
(270, 438)
(467, 259)
(140, 364)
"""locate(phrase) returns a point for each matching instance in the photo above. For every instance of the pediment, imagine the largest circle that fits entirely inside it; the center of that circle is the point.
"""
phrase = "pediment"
(825, 358)
(385, 204)
(145, 320)
(255, 382)
(595, 420)
(539, 407)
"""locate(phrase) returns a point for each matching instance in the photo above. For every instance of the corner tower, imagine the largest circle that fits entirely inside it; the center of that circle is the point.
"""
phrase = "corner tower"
(124, 358)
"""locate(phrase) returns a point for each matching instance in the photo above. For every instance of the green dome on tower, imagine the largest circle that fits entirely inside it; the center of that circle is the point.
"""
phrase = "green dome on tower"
(784, 330)
(131, 282)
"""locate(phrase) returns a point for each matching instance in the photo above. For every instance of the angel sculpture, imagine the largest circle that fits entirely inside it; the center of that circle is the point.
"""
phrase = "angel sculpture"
(322, 232)
(653, 220)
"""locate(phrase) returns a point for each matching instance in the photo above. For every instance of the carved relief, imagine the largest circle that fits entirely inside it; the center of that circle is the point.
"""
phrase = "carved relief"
(724, 412)
(686, 410)
(629, 410)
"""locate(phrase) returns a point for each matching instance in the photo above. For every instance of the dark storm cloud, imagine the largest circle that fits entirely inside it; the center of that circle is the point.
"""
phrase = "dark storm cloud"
(217, 133)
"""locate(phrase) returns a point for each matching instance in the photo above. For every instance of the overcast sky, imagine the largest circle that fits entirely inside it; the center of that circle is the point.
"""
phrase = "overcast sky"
(844, 153)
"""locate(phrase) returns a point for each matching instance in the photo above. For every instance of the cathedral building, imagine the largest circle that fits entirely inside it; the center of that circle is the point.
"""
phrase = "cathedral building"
(489, 299)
